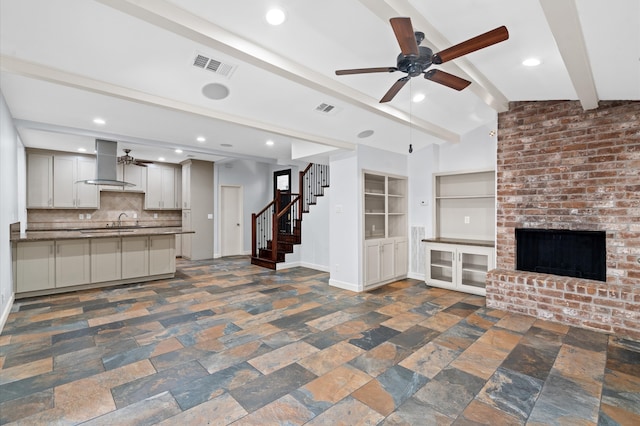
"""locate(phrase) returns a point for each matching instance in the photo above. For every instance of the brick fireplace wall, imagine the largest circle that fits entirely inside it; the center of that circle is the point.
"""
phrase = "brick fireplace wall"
(560, 167)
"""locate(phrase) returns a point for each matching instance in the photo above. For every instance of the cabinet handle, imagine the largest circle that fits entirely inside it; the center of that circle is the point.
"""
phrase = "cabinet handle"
(57, 249)
(50, 201)
(51, 249)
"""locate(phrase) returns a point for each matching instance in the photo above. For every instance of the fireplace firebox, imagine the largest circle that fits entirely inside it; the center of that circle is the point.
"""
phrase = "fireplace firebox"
(580, 254)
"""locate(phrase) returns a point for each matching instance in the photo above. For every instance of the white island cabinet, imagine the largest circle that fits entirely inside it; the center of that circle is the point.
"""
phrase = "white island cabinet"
(106, 263)
(162, 254)
(35, 265)
(135, 257)
(73, 264)
(77, 260)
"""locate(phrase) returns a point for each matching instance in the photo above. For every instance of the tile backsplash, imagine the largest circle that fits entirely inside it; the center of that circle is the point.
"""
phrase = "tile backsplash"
(112, 203)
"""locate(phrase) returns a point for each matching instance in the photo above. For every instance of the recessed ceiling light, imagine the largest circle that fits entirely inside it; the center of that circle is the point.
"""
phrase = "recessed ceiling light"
(270, 142)
(201, 139)
(418, 97)
(226, 145)
(275, 16)
(531, 62)
(365, 134)
(178, 151)
(99, 121)
(82, 150)
(161, 159)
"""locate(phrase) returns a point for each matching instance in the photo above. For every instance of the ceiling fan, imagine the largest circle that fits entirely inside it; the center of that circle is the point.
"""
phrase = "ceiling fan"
(127, 159)
(415, 59)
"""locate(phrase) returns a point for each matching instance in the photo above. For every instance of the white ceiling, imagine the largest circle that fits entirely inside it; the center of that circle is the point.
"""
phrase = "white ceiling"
(130, 62)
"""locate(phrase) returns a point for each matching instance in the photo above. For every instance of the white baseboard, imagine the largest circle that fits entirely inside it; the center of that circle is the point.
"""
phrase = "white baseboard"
(344, 285)
(415, 276)
(287, 265)
(6, 311)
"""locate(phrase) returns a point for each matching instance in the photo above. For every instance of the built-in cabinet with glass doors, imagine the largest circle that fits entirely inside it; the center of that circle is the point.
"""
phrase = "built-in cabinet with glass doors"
(461, 252)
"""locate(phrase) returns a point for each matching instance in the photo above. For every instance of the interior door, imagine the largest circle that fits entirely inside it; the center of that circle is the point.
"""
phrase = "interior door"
(282, 182)
(231, 228)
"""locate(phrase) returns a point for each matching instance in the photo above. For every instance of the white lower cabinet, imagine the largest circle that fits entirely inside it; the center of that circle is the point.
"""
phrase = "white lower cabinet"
(73, 265)
(50, 265)
(384, 260)
(458, 267)
(35, 266)
(162, 254)
(135, 257)
(106, 260)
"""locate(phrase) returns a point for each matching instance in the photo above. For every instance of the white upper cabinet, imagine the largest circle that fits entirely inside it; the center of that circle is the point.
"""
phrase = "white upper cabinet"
(39, 180)
(54, 181)
(137, 175)
(161, 187)
(68, 189)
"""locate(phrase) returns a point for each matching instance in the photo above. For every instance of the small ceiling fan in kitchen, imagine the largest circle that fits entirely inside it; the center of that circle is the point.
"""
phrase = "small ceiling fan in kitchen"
(415, 59)
(127, 159)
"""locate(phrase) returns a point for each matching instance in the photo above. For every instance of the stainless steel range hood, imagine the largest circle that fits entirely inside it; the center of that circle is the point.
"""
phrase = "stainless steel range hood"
(107, 164)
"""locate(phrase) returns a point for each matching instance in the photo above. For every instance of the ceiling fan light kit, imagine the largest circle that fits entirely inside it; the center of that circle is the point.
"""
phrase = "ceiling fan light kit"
(415, 60)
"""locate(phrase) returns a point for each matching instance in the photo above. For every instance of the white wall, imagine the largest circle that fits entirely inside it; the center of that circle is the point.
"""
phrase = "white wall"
(476, 150)
(344, 230)
(314, 250)
(422, 165)
(255, 179)
(12, 189)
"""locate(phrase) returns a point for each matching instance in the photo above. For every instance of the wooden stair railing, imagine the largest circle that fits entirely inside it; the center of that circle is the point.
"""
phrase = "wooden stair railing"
(276, 229)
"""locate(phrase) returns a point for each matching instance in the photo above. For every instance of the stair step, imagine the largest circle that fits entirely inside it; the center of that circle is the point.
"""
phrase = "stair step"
(265, 263)
(266, 254)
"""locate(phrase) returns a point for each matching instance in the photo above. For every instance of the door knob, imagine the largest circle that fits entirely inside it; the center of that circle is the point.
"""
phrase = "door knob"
(237, 224)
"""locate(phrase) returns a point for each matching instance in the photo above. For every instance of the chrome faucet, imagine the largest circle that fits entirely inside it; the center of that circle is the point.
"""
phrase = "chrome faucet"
(120, 219)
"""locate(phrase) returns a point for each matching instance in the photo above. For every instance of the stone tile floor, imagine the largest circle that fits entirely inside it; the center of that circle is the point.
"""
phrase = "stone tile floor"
(225, 342)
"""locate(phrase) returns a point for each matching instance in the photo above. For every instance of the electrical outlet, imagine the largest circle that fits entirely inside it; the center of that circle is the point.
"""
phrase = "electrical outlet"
(135, 215)
(467, 219)
(81, 216)
(88, 216)
(155, 215)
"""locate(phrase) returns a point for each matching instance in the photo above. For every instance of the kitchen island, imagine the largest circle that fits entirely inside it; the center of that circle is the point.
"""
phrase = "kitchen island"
(56, 261)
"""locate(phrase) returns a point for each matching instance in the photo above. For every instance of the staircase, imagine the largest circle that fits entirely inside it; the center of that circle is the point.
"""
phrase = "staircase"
(276, 229)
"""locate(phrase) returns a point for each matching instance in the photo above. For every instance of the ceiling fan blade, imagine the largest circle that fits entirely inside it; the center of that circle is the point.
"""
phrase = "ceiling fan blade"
(479, 42)
(406, 38)
(394, 89)
(447, 79)
(366, 70)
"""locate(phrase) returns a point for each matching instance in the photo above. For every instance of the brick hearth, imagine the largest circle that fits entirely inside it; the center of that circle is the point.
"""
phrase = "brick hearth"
(560, 167)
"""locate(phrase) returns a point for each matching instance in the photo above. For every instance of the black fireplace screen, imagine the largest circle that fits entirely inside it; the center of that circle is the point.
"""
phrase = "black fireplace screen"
(580, 254)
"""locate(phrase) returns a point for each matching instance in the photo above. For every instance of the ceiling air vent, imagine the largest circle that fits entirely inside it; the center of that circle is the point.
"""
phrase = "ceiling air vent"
(325, 108)
(213, 65)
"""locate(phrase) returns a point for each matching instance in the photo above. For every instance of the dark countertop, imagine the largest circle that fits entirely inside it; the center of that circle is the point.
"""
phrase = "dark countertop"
(74, 234)
(477, 243)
